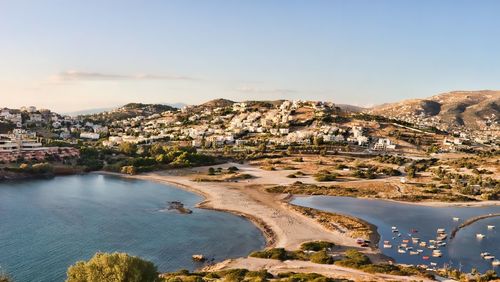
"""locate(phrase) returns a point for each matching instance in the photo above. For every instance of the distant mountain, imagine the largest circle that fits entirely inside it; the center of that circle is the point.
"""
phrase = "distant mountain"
(217, 103)
(478, 110)
(129, 111)
(89, 111)
(350, 108)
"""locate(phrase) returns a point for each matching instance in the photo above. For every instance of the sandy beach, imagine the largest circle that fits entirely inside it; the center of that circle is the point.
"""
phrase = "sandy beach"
(282, 226)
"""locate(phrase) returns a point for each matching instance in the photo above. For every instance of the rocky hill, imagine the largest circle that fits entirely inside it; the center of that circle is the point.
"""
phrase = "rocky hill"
(474, 110)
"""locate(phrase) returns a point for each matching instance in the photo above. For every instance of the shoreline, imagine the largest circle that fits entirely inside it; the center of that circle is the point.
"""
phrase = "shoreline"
(269, 235)
(211, 201)
(431, 204)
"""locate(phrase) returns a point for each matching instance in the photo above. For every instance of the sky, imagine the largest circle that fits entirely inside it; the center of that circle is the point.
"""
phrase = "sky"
(70, 55)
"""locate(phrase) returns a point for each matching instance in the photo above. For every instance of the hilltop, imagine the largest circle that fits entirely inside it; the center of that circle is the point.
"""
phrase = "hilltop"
(470, 110)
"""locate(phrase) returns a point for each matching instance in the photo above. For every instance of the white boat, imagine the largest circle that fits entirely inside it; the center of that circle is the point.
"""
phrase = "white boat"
(436, 253)
(480, 236)
(490, 227)
(433, 264)
(490, 257)
(404, 245)
(420, 251)
(495, 263)
(441, 230)
(456, 218)
(415, 240)
(394, 228)
(485, 254)
(401, 251)
(412, 253)
(422, 244)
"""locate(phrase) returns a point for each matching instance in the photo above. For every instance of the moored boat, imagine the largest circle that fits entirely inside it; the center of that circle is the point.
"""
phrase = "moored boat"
(480, 236)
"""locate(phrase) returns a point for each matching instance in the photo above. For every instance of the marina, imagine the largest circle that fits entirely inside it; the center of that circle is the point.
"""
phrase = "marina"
(421, 235)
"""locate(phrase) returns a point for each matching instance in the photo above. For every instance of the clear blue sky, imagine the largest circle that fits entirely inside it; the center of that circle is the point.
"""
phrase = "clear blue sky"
(70, 55)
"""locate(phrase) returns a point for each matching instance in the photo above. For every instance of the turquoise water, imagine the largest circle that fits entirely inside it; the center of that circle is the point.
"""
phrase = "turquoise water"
(47, 225)
(461, 252)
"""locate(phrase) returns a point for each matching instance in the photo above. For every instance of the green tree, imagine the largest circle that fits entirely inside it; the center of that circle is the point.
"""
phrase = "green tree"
(116, 267)
(128, 148)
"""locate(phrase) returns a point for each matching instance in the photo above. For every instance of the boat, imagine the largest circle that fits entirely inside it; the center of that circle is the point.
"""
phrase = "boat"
(490, 257)
(441, 230)
(431, 247)
(412, 253)
(422, 244)
(436, 253)
(442, 237)
(420, 251)
(480, 236)
(495, 263)
(442, 244)
(399, 234)
(394, 228)
(415, 240)
(456, 218)
(401, 251)
(485, 254)
(433, 264)
(387, 246)
(406, 241)
(404, 245)
(425, 257)
(490, 227)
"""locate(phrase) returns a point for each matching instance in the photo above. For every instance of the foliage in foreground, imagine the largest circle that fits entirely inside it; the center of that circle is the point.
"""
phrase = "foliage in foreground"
(115, 267)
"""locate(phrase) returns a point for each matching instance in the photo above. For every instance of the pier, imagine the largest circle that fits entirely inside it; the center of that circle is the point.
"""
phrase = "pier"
(471, 221)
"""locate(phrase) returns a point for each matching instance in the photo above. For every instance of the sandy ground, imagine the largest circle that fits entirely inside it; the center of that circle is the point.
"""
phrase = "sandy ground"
(334, 271)
(281, 226)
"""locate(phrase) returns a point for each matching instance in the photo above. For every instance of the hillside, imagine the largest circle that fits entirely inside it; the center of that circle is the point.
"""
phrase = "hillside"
(129, 111)
(475, 110)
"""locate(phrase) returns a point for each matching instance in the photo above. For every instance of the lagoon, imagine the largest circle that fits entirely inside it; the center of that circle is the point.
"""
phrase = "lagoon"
(47, 225)
(461, 252)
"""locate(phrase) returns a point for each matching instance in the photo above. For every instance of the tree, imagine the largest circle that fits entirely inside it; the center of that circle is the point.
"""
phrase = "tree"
(115, 267)
(128, 148)
(211, 171)
(5, 278)
(130, 169)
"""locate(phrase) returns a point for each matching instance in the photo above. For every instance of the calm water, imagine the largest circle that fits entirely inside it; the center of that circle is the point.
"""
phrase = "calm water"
(463, 251)
(47, 225)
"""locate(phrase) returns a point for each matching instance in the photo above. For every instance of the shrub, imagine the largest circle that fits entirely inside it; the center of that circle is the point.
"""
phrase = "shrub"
(354, 259)
(321, 257)
(276, 253)
(317, 246)
(104, 267)
(324, 177)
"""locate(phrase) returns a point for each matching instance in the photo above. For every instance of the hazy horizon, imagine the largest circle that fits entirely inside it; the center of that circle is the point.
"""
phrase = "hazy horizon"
(78, 55)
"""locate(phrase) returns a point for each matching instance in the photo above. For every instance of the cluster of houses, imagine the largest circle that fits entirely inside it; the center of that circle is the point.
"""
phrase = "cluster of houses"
(240, 125)
(22, 144)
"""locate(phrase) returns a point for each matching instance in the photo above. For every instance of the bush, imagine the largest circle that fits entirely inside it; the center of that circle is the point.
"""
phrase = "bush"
(276, 253)
(321, 257)
(5, 278)
(317, 246)
(131, 170)
(354, 259)
(104, 267)
(324, 177)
